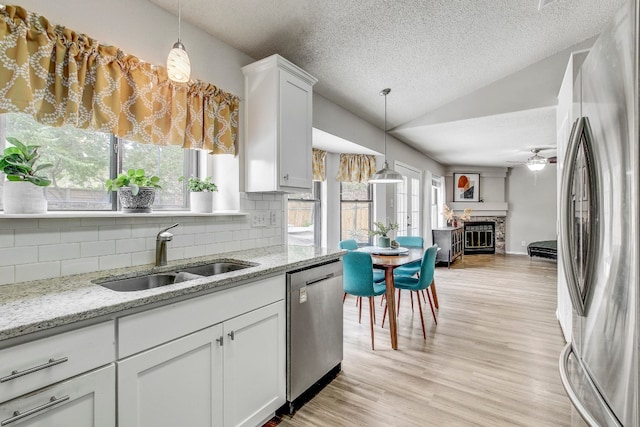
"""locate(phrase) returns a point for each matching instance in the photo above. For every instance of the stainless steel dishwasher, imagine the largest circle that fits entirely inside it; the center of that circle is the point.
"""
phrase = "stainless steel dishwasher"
(314, 328)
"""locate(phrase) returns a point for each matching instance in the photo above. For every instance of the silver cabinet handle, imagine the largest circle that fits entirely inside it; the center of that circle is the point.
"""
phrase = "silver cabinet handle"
(18, 374)
(231, 335)
(327, 277)
(17, 415)
(220, 341)
(286, 177)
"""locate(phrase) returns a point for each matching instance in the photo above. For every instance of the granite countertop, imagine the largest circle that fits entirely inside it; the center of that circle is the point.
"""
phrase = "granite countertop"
(44, 304)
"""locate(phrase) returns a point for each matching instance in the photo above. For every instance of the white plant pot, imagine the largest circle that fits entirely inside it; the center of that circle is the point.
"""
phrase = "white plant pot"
(23, 197)
(201, 201)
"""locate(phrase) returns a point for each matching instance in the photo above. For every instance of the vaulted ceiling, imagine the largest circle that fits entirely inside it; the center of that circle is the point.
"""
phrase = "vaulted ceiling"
(473, 81)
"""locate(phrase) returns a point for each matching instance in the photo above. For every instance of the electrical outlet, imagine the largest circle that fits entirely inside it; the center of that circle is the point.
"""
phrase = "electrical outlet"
(273, 218)
(259, 219)
(523, 243)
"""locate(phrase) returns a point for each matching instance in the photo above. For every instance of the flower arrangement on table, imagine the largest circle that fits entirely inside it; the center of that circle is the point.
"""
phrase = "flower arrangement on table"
(452, 218)
(382, 229)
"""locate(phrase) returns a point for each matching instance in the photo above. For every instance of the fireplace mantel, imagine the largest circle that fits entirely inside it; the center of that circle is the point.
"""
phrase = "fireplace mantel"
(481, 208)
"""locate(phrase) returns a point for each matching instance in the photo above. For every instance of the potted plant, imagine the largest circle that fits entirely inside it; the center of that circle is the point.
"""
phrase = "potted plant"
(384, 241)
(136, 190)
(23, 192)
(200, 194)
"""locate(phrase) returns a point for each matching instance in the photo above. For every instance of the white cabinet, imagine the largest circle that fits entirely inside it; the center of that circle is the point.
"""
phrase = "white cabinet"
(175, 384)
(278, 124)
(215, 360)
(87, 400)
(254, 368)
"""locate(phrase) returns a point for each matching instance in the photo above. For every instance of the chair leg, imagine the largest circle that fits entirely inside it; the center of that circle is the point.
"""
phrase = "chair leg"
(384, 314)
(433, 312)
(424, 297)
(359, 299)
(411, 295)
(371, 311)
(435, 294)
(424, 333)
(344, 297)
(399, 296)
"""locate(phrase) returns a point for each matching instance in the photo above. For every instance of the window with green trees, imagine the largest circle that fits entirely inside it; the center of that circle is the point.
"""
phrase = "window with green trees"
(84, 159)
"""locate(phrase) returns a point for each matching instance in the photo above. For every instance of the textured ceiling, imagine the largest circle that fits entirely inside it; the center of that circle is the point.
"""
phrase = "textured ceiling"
(430, 52)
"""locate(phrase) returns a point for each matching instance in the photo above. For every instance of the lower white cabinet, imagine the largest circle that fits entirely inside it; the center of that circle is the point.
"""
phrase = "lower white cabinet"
(254, 365)
(229, 374)
(175, 384)
(88, 400)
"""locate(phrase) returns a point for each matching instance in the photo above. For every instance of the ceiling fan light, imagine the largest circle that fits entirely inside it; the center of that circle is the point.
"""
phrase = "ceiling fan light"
(178, 64)
(536, 164)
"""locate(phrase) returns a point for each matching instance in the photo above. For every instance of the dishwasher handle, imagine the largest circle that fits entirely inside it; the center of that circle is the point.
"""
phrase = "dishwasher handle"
(326, 277)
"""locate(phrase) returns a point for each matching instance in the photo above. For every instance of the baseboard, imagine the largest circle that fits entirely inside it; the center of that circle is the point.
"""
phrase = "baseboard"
(516, 253)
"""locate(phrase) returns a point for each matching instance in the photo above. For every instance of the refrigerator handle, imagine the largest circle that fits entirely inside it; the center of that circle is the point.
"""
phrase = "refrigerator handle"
(566, 213)
(573, 396)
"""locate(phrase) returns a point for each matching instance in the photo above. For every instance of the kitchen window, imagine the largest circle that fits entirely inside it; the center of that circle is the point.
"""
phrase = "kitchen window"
(84, 159)
(303, 217)
(356, 209)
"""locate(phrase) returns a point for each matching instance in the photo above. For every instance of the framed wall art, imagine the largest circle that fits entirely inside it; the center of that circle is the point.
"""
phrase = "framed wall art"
(466, 187)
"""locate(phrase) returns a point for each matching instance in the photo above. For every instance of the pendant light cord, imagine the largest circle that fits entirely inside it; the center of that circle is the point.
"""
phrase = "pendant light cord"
(385, 127)
(179, 21)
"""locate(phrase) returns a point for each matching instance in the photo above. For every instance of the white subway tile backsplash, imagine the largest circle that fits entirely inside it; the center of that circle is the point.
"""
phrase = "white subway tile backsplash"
(49, 247)
(59, 252)
(6, 238)
(108, 262)
(130, 245)
(35, 237)
(79, 266)
(16, 256)
(7, 275)
(78, 234)
(91, 249)
(114, 232)
(41, 270)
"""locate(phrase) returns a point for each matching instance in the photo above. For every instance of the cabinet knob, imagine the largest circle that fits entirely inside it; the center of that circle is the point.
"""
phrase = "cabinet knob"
(220, 341)
(286, 177)
(231, 335)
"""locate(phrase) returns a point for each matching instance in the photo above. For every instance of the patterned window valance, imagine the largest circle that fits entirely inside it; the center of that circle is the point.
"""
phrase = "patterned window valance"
(319, 172)
(62, 77)
(356, 167)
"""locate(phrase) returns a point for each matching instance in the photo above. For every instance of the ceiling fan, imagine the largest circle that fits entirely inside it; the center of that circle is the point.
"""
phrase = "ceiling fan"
(537, 162)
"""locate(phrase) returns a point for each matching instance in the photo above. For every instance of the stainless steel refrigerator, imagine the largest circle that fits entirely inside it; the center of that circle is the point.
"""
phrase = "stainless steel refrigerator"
(599, 230)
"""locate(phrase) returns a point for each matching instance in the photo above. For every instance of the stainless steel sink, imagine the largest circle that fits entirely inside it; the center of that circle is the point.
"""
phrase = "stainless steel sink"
(218, 267)
(140, 283)
(151, 281)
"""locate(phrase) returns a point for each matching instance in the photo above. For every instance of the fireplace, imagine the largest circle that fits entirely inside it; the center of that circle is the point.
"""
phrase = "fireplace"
(479, 237)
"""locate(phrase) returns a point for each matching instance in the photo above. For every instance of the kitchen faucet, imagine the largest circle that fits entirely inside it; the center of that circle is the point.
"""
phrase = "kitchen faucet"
(161, 245)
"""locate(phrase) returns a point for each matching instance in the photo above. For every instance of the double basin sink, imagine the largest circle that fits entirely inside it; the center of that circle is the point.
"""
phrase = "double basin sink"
(150, 281)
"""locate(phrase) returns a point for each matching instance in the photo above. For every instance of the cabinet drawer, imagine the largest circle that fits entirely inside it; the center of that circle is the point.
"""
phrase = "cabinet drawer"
(39, 363)
(148, 329)
(86, 400)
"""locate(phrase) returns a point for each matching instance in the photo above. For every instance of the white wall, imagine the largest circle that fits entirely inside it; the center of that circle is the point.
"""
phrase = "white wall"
(532, 212)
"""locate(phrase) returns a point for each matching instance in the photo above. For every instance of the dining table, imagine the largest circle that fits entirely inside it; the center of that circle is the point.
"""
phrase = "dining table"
(388, 263)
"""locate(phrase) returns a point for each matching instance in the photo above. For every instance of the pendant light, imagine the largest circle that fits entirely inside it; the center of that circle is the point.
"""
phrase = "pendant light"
(178, 64)
(386, 175)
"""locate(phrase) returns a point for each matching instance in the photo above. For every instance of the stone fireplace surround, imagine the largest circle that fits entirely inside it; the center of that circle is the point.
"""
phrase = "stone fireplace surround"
(500, 222)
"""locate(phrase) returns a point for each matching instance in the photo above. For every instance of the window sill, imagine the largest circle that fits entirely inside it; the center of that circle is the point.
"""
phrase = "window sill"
(118, 214)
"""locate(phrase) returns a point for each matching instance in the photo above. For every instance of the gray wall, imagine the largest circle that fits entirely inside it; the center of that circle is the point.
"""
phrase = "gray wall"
(532, 207)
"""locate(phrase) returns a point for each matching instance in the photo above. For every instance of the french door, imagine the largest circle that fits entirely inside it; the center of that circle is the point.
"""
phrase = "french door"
(408, 201)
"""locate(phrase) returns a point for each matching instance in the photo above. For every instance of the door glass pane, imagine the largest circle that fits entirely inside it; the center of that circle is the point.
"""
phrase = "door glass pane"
(401, 207)
(415, 207)
(80, 158)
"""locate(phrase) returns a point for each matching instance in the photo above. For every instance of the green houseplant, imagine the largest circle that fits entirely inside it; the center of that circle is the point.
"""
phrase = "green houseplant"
(23, 192)
(200, 193)
(381, 230)
(136, 190)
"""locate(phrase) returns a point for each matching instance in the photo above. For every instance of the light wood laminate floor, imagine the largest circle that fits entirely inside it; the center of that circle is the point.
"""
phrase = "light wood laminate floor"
(492, 360)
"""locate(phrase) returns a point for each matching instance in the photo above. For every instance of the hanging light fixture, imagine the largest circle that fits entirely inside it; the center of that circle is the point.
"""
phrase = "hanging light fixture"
(178, 64)
(386, 175)
(536, 162)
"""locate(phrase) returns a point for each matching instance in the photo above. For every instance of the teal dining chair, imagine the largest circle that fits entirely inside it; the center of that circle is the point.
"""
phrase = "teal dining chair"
(357, 280)
(352, 245)
(409, 269)
(420, 283)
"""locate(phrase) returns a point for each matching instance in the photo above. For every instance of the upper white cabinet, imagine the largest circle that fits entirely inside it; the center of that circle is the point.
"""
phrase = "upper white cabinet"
(278, 120)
